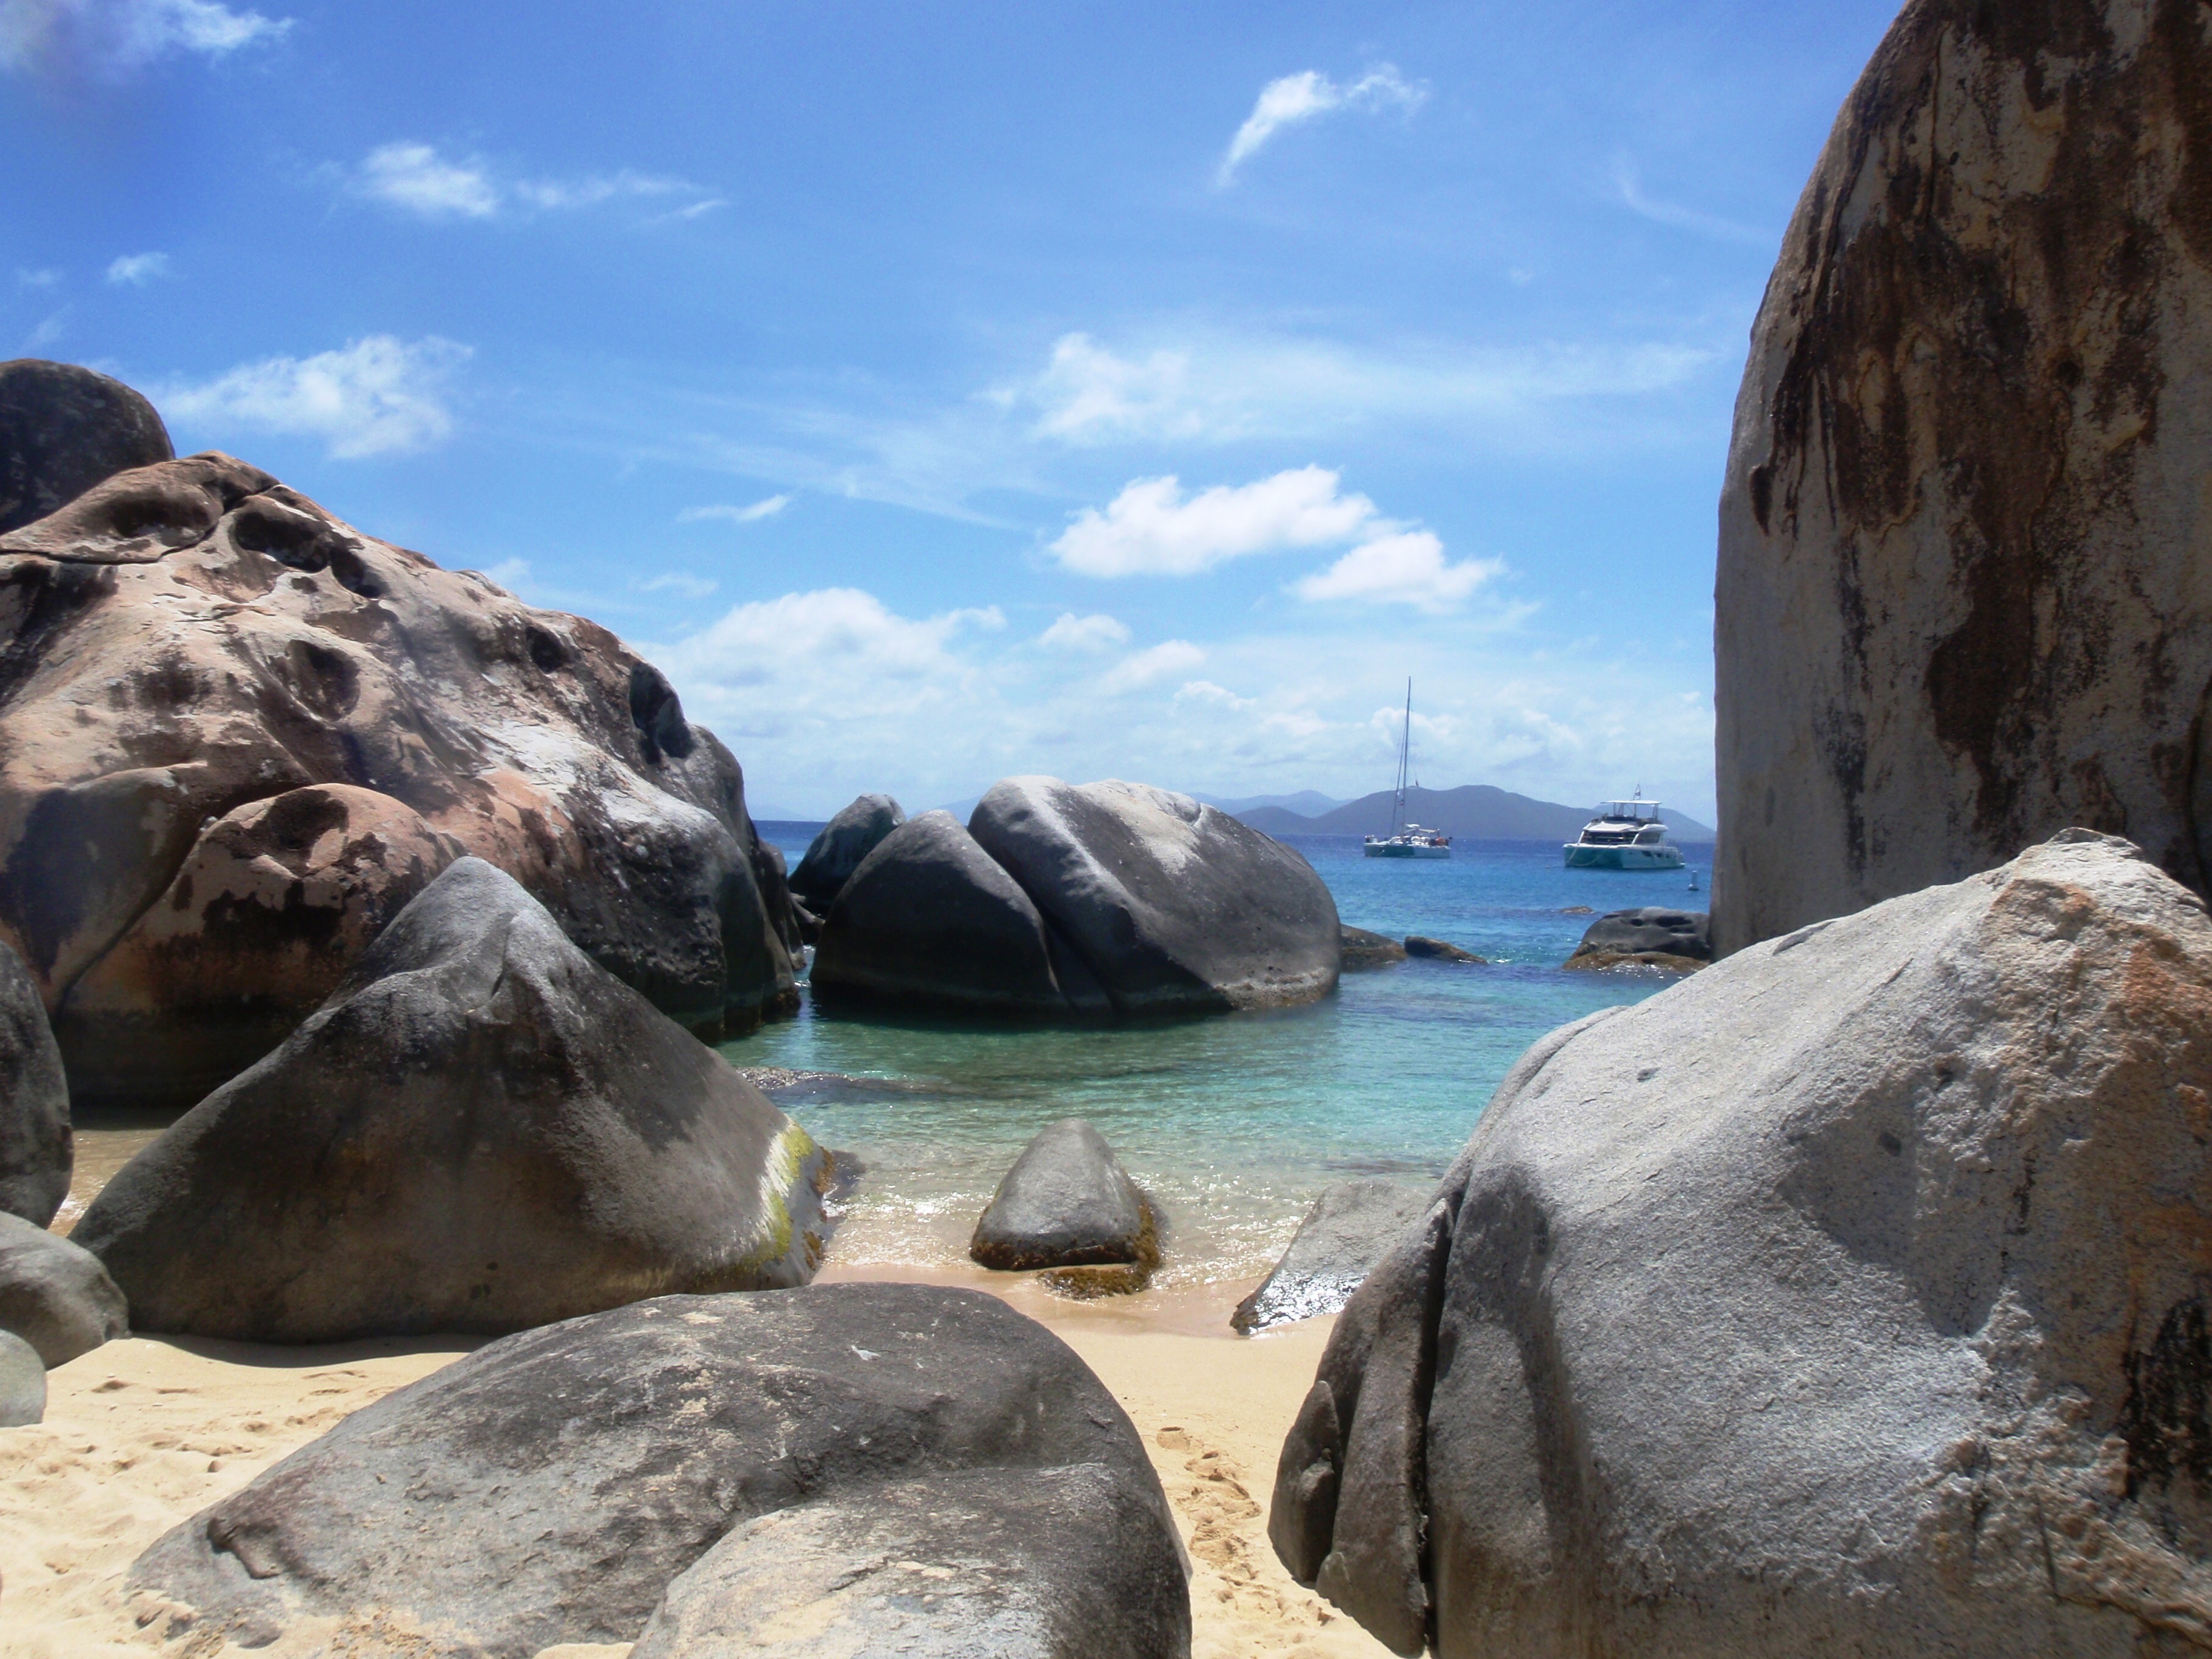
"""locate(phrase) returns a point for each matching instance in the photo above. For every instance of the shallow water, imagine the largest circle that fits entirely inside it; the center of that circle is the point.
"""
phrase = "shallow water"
(1233, 1122)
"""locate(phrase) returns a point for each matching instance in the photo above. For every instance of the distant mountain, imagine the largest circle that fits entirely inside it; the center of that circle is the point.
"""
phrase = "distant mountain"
(1476, 811)
(1307, 802)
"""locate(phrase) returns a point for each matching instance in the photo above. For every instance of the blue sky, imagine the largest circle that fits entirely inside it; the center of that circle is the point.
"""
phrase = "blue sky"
(939, 392)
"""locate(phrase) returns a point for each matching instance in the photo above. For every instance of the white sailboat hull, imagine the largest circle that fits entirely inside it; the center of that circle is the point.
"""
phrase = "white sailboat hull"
(1398, 849)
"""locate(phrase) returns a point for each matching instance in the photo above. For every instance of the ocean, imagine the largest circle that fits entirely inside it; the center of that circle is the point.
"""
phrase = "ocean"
(1234, 1122)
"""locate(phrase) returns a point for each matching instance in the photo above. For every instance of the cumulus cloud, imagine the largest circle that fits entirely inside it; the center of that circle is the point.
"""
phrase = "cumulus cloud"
(1093, 633)
(375, 395)
(1407, 568)
(1148, 667)
(112, 36)
(1296, 98)
(136, 270)
(1151, 530)
(1219, 696)
(758, 510)
(416, 179)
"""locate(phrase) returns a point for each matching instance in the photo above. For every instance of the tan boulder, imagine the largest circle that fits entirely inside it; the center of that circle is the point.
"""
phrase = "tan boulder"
(1963, 596)
(236, 734)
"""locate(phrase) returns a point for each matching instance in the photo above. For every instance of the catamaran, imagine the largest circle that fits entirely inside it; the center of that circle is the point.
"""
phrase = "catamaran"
(1626, 835)
(1407, 840)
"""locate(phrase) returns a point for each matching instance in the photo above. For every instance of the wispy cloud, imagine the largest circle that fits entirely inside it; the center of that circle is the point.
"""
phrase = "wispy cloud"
(1406, 568)
(1165, 660)
(1151, 529)
(50, 328)
(510, 574)
(675, 581)
(1629, 187)
(375, 395)
(1296, 98)
(416, 179)
(108, 37)
(48, 277)
(765, 508)
(136, 270)
(1095, 633)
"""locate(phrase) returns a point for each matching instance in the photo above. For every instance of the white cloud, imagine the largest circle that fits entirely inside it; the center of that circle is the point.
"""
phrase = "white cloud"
(1093, 633)
(48, 277)
(48, 330)
(416, 178)
(595, 188)
(138, 269)
(1296, 98)
(510, 574)
(1206, 691)
(1148, 667)
(760, 509)
(674, 581)
(1407, 568)
(1629, 186)
(118, 35)
(1087, 391)
(1149, 529)
(376, 395)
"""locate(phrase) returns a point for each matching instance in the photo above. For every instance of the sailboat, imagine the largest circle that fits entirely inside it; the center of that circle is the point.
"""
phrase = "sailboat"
(1407, 840)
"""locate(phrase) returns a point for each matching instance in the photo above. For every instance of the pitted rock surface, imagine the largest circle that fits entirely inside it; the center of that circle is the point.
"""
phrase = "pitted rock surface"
(1962, 598)
(1849, 1298)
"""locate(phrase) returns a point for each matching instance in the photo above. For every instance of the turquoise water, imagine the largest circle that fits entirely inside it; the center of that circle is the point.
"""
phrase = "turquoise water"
(1233, 1122)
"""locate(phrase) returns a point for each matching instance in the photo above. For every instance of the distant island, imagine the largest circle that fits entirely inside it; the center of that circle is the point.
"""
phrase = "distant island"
(1474, 812)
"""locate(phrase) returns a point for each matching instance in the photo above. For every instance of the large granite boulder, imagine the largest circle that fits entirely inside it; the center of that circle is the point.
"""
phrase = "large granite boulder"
(1066, 1202)
(37, 1143)
(189, 642)
(55, 1295)
(928, 917)
(837, 852)
(480, 1130)
(1344, 1234)
(1172, 906)
(1848, 1298)
(1961, 597)
(548, 1488)
(1015, 1564)
(64, 429)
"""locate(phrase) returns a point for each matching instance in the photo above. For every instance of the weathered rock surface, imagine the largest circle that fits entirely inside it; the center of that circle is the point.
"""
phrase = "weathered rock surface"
(1652, 927)
(64, 429)
(1172, 906)
(837, 852)
(1016, 1564)
(548, 1488)
(929, 918)
(187, 643)
(480, 1130)
(37, 1144)
(1873, 1326)
(1437, 950)
(1605, 962)
(1344, 1234)
(22, 1382)
(1961, 600)
(1066, 1202)
(55, 1295)
(1363, 949)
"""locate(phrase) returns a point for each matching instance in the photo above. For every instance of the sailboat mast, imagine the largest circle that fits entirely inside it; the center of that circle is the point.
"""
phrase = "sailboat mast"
(1404, 759)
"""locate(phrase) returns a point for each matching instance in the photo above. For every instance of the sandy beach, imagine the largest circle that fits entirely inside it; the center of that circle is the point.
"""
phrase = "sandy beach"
(144, 1432)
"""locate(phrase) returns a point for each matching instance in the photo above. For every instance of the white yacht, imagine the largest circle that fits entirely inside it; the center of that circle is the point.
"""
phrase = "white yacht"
(1626, 835)
(1407, 840)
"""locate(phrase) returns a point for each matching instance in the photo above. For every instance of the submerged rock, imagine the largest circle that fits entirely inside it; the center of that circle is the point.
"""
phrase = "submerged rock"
(55, 1295)
(1363, 950)
(192, 643)
(1067, 1202)
(1849, 1298)
(1345, 1234)
(480, 1130)
(38, 1147)
(548, 1488)
(1437, 950)
(22, 1383)
(837, 852)
(62, 429)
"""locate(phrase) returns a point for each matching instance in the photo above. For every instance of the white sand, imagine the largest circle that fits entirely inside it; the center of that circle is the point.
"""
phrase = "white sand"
(142, 1433)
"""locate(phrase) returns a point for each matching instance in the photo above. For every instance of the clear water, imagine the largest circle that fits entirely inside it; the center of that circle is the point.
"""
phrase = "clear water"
(1235, 1121)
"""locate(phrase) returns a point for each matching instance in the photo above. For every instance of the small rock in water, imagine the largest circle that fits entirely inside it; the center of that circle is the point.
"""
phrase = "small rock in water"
(1654, 927)
(1605, 962)
(1438, 950)
(1578, 910)
(1067, 1203)
(1363, 949)
(55, 1295)
(1350, 1226)
(22, 1382)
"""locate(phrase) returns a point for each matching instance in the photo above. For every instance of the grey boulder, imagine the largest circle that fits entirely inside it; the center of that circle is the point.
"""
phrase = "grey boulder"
(480, 1130)
(1848, 1298)
(1066, 1202)
(1653, 927)
(1172, 906)
(1439, 950)
(37, 1144)
(928, 917)
(1363, 949)
(837, 852)
(1346, 1233)
(62, 429)
(1015, 1564)
(55, 1295)
(549, 1488)
(22, 1383)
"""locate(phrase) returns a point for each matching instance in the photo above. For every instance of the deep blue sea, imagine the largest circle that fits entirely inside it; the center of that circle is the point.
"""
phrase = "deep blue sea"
(1232, 1122)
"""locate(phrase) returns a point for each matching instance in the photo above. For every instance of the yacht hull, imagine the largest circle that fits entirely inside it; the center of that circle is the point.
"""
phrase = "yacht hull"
(1390, 850)
(1623, 858)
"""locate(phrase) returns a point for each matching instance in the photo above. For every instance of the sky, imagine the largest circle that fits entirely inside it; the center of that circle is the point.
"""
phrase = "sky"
(943, 393)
